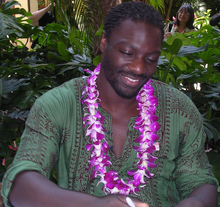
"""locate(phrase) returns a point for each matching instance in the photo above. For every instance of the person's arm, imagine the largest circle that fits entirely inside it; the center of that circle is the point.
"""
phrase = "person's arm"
(33, 189)
(195, 181)
(38, 14)
(203, 196)
(167, 33)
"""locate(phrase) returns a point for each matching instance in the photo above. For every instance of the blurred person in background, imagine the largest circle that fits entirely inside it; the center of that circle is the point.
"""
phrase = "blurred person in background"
(215, 20)
(183, 23)
(49, 15)
(43, 17)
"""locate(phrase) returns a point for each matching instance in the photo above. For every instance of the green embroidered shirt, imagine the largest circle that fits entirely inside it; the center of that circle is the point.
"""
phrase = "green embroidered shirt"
(54, 136)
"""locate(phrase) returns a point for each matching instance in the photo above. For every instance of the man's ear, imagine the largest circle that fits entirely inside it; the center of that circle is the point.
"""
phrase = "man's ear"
(103, 42)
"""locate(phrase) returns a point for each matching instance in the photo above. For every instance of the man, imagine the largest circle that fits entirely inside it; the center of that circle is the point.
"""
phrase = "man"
(102, 131)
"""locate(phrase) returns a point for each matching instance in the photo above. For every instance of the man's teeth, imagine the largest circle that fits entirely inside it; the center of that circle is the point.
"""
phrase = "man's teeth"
(132, 80)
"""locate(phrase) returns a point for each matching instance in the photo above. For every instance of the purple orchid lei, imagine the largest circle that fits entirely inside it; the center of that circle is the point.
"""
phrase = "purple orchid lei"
(145, 123)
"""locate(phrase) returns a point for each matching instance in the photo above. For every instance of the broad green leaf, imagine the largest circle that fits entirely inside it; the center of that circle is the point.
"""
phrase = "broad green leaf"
(77, 44)
(213, 95)
(4, 149)
(7, 131)
(68, 68)
(7, 5)
(8, 85)
(29, 94)
(97, 60)
(7, 21)
(54, 57)
(16, 114)
(170, 78)
(188, 50)
(179, 63)
(214, 161)
(208, 133)
(185, 41)
(175, 46)
(212, 132)
(100, 30)
(62, 49)
(209, 112)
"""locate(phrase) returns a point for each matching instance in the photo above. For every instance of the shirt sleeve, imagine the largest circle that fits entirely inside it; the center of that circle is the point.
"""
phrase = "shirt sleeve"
(192, 166)
(38, 149)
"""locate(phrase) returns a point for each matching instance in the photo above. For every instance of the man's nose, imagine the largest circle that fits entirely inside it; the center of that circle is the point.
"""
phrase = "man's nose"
(137, 65)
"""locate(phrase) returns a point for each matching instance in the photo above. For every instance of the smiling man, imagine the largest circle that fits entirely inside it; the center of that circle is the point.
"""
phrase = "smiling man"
(116, 133)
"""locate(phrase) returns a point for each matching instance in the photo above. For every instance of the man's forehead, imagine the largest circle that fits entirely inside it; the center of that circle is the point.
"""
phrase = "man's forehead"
(138, 30)
(127, 22)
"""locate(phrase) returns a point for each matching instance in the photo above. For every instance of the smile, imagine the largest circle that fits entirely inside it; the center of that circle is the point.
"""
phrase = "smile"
(132, 80)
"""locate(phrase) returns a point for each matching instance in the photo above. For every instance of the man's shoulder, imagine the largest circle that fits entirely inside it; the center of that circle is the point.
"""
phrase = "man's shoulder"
(70, 90)
(168, 90)
(175, 100)
(158, 85)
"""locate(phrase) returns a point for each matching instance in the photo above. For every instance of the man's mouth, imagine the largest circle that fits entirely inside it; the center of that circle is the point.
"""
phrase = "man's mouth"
(132, 80)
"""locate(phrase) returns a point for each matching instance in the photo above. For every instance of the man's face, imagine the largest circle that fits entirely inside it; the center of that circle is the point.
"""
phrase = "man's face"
(130, 56)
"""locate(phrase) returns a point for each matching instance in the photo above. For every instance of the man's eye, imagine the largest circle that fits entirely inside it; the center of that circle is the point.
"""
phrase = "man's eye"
(126, 53)
(151, 60)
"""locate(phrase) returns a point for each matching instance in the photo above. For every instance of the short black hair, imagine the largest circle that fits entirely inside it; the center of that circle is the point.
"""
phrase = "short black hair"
(215, 20)
(188, 9)
(135, 11)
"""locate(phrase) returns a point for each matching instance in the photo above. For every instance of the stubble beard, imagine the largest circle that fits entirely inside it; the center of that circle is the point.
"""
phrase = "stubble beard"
(111, 77)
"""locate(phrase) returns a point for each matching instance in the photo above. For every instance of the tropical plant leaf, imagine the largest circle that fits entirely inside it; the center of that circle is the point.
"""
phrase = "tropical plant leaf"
(8, 85)
(212, 132)
(62, 49)
(30, 93)
(7, 130)
(17, 114)
(7, 21)
(174, 47)
(188, 50)
(6, 7)
(214, 161)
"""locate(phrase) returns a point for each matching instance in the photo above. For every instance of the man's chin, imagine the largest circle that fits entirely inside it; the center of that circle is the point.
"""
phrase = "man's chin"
(127, 95)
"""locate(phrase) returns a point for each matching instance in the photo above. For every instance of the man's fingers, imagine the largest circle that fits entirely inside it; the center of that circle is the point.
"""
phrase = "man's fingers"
(136, 201)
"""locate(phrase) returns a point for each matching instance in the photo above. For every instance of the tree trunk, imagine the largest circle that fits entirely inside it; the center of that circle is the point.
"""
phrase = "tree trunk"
(107, 4)
(169, 10)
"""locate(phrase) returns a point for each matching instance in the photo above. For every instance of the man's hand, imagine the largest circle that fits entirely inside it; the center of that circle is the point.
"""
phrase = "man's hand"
(37, 191)
(117, 201)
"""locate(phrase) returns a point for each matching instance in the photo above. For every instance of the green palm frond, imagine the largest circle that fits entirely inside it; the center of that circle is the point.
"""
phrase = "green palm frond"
(85, 15)
(157, 4)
